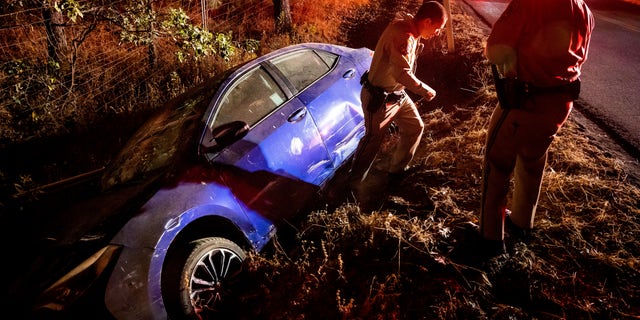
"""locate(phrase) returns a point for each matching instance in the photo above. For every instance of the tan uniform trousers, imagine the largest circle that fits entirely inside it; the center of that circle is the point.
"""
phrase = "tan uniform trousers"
(406, 117)
(519, 146)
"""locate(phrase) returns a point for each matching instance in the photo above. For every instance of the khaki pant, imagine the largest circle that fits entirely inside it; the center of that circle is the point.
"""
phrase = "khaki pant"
(406, 117)
(517, 144)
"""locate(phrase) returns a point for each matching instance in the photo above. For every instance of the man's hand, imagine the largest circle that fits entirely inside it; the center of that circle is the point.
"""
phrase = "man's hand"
(508, 70)
(505, 58)
(429, 93)
(426, 92)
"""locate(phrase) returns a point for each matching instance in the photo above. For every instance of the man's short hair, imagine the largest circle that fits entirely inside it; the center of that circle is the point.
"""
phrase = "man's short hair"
(431, 10)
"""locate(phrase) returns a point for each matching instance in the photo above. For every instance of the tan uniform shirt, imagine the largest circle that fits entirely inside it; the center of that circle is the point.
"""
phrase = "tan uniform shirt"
(394, 57)
(548, 39)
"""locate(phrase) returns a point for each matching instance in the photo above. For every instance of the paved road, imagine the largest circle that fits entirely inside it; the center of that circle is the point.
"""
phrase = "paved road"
(611, 75)
(610, 78)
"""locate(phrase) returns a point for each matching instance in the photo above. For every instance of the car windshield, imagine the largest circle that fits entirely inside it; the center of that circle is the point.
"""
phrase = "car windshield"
(162, 139)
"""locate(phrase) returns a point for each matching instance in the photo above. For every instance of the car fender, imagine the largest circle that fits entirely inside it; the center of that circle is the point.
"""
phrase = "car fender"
(134, 288)
(172, 208)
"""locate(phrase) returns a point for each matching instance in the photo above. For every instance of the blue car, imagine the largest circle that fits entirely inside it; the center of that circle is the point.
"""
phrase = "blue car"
(220, 168)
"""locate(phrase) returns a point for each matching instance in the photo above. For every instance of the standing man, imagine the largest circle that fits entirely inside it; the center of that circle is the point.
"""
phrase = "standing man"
(539, 46)
(383, 97)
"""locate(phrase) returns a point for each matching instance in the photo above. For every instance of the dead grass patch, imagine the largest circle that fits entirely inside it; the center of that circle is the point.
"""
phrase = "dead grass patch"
(395, 263)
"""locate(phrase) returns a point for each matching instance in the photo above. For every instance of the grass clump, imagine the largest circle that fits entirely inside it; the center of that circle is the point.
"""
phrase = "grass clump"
(396, 262)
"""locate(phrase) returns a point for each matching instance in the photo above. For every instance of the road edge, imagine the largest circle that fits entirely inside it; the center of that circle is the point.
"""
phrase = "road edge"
(618, 137)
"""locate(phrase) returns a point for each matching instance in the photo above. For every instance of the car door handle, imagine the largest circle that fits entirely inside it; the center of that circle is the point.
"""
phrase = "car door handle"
(297, 115)
(349, 74)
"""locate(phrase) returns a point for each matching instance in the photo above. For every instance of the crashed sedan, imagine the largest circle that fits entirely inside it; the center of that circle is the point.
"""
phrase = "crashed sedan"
(219, 169)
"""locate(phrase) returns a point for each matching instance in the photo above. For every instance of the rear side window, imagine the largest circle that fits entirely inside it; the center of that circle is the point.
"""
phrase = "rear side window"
(304, 67)
(250, 99)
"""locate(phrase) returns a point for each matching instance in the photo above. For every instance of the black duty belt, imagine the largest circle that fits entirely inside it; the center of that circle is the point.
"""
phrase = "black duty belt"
(391, 97)
(572, 88)
(512, 92)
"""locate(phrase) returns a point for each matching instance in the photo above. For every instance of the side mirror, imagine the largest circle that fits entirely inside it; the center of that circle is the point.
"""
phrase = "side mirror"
(224, 135)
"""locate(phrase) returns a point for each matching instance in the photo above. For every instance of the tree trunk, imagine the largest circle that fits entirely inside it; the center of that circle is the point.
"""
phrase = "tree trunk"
(57, 46)
(153, 58)
(282, 15)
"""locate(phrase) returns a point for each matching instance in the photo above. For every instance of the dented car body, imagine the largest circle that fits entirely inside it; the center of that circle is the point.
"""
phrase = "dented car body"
(221, 167)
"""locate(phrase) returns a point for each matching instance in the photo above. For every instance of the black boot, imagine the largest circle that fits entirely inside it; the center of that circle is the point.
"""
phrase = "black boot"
(518, 233)
(473, 249)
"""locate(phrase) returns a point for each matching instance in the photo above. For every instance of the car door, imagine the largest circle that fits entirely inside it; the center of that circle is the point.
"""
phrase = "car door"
(328, 85)
(278, 164)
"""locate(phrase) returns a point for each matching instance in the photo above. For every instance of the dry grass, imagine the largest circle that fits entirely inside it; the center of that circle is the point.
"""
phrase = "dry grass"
(116, 78)
(397, 263)
(114, 82)
(319, 17)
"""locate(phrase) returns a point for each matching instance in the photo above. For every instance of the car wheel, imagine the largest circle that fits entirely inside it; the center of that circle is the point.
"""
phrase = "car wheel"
(208, 272)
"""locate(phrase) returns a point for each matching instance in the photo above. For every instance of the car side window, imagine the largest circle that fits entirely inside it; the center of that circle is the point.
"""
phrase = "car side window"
(249, 99)
(304, 67)
(328, 57)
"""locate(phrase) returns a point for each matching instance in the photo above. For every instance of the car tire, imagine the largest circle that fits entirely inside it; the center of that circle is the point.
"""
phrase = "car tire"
(207, 275)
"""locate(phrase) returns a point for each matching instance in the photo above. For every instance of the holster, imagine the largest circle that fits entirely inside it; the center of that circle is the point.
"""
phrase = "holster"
(379, 97)
(512, 92)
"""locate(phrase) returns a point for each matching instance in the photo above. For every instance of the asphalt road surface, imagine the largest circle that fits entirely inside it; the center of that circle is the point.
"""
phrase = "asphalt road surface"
(610, 77)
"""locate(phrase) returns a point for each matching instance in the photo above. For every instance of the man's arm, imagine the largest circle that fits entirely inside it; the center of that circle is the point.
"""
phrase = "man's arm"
(501, 44)
(401, 58)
